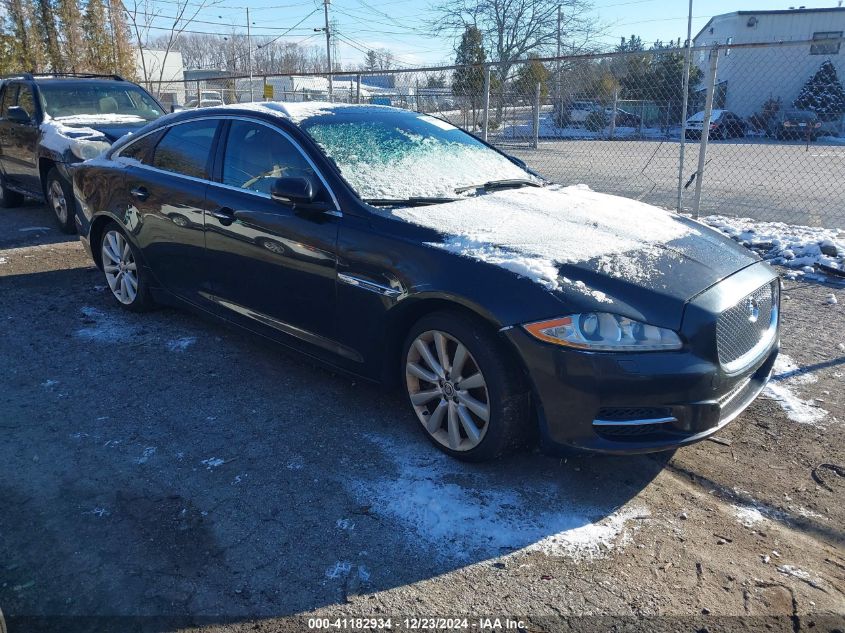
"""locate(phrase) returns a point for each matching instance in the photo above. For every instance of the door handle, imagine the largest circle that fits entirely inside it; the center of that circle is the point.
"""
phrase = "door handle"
(140, 193)
(224, 214)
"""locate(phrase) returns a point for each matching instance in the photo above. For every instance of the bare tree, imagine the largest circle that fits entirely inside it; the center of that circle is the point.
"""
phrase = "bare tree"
(514, 29)
(179, 16)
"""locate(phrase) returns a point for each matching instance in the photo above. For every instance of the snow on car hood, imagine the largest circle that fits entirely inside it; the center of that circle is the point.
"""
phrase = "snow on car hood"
(531, 231)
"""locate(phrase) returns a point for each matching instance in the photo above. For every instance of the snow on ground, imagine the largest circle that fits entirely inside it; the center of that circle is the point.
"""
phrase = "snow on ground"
(462, 513)
(181, 344)
(748, 516)
(787, 374)
(548, 129)
(530, 231)
(794, 246)
(105, 328)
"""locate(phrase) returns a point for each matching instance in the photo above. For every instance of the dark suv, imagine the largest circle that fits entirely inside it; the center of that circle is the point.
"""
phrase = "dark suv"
(48, 122)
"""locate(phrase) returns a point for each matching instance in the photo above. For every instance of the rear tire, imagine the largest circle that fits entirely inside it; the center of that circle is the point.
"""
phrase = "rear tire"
(9, 199)
(472, 403)
(59, 195)
(125, 275)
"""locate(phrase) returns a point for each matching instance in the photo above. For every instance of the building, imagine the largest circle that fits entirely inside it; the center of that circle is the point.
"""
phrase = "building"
(748, 77)
(162, 73)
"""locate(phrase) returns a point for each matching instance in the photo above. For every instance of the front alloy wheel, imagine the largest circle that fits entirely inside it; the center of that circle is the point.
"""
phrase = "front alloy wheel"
(447, 390)
(60, 200)
(123, 272)
(465, 387)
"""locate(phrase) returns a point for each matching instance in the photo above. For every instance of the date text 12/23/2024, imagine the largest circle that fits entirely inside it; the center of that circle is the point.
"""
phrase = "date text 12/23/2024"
(415, 624)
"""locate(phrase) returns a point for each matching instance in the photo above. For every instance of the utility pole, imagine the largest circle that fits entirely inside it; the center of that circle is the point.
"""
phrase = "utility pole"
(326, 4)
(687, 61)
(559, 90)
(249, 54)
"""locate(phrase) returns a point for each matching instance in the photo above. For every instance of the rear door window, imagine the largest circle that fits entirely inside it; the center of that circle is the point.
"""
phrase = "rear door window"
(186, 148)
(9, 97)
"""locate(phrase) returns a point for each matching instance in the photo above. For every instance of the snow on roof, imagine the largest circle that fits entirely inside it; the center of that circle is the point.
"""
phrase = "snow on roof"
(298, 111)
(530, 231)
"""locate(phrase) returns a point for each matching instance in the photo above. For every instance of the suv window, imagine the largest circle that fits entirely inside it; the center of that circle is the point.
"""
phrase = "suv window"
(26, 102)
(9, 97)
(140, 150)
(186, 147)
(256, 155)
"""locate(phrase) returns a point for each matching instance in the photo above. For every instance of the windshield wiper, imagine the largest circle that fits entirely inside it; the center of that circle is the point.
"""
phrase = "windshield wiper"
(493, 185)
(406, 202)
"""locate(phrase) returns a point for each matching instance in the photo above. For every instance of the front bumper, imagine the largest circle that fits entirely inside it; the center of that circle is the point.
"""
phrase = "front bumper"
(644, 402)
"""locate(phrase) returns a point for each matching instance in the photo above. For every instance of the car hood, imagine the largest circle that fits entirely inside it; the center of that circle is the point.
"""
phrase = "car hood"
(591, 250)
(113, 131)
(655, 284)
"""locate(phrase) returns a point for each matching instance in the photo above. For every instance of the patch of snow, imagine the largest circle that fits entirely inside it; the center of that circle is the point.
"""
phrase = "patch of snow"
(60, 138)
(363, 573)
(181, 344)
(786, 373)
(3, 260)
(99, 512)
(747, 515)
(295, 463)
(531, 230)
(794, 246)
(47, 384)
(106, 328)
(106, 118)
(146, 455)
(461, 513)
(831, 299)
(340, 569)
(345, 524)
(213, 462)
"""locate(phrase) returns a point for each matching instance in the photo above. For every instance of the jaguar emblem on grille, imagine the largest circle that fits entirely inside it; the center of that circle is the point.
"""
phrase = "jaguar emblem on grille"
(753, 309)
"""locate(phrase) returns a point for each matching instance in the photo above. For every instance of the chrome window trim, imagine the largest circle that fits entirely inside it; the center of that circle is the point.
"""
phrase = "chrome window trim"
(116, 155)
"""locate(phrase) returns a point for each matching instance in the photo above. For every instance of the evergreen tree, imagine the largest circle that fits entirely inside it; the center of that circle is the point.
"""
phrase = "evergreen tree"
(70, 29)
(371, 62)
(124, 55)
(25, 48)
(97, 38)
(528, 76)
(468, 80)
(50, 35)
(823, 93)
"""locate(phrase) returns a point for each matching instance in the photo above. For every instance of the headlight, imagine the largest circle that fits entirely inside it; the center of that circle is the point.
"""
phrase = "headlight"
(88, 149)
(604, 332)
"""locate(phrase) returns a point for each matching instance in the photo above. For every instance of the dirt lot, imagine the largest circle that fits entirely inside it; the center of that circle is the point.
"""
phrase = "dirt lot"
(161, 472)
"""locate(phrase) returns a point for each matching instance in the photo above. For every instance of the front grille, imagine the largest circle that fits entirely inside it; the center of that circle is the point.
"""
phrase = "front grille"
(630, 430)
(624, 414)
(744, 325)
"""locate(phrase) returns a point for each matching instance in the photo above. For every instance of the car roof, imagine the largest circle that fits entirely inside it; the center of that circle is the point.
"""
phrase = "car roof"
(294, 111)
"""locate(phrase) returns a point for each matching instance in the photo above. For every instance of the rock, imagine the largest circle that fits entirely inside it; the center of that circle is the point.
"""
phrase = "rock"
(705, 611)
(828, 248)
(721, 541)
(683, 516)
(766, 558)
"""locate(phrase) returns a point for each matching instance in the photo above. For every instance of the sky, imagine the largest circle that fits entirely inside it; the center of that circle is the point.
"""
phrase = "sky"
(402, 25)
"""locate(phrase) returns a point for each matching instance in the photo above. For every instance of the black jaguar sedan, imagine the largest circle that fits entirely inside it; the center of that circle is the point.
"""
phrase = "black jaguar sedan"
(394, 246)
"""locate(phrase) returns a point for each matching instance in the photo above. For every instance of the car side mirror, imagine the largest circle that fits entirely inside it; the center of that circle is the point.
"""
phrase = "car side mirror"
(297, 191)
(17, 114)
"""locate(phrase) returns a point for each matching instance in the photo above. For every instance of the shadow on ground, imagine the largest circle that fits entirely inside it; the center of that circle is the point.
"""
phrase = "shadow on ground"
(156, 465)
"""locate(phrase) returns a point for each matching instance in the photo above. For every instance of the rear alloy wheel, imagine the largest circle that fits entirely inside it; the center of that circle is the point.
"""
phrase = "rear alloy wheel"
(467, 397)
(124, 274)
(60, 200)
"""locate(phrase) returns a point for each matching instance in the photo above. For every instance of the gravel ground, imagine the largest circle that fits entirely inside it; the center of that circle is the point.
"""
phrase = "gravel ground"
(161, 473)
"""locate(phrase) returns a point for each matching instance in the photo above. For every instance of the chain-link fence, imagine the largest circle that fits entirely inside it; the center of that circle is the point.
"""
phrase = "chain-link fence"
(758, 132)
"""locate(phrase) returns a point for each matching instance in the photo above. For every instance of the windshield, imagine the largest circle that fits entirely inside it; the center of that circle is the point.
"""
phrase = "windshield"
(399, 155)
(117, 102)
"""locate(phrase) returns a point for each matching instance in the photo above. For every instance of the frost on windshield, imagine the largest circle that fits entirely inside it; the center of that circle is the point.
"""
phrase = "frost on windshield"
(383, 161)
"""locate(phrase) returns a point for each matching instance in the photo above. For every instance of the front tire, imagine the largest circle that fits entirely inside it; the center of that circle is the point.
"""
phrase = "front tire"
(470, 399)
(124, 273)
(59, 194)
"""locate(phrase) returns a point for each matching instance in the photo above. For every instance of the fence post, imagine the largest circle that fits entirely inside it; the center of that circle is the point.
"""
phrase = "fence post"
(705, 129)
(199, 92)
(358, 88)
(613, 114)
(535, 141)
(485, 116)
